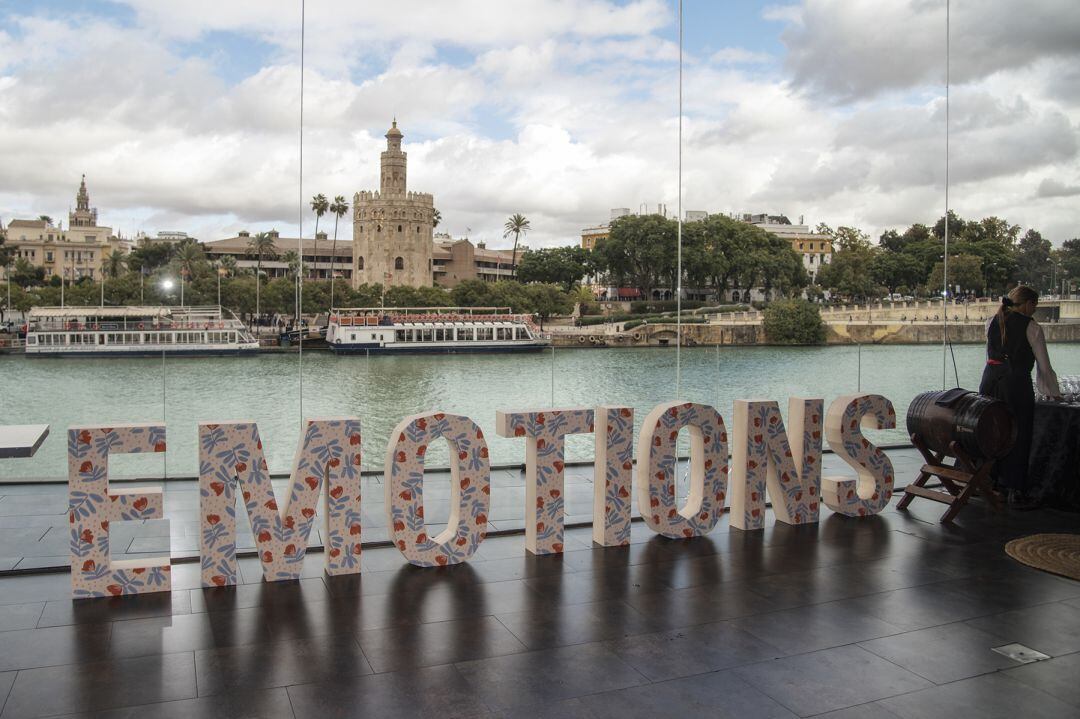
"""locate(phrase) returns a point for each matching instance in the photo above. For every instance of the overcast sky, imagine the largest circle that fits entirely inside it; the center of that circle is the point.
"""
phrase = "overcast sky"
(185, 115)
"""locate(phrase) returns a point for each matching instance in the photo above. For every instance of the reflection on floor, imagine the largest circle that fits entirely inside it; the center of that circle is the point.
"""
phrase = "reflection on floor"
(892, 616)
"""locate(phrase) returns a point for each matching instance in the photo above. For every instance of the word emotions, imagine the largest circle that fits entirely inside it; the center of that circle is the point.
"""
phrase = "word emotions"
(768, 459)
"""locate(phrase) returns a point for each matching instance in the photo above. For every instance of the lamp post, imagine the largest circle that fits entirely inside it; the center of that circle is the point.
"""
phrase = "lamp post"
(167, 285)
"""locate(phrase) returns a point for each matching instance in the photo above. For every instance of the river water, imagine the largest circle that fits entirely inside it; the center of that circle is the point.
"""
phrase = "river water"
(383, 390)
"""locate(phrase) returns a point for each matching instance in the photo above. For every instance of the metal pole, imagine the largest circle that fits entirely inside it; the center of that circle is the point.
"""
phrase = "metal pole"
(945, 263)
(553, 372)
(678, 261)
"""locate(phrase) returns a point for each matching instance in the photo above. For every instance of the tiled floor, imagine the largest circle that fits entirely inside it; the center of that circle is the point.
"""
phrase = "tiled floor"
(886, 617)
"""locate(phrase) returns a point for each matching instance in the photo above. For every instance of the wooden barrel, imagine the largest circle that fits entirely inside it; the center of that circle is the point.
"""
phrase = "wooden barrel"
(982, 426)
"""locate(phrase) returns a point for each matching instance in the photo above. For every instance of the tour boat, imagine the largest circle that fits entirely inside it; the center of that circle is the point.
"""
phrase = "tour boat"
(110, 331)
(432, 330)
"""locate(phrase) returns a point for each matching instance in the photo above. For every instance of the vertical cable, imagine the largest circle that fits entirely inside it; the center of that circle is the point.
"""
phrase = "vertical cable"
(945, 263)
(300, 241)
(678, 261)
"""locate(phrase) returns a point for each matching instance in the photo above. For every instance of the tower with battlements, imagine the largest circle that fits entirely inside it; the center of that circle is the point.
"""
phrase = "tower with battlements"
(392, 228)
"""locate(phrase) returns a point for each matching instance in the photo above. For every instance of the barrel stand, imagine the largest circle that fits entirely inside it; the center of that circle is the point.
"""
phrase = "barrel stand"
(967, 478)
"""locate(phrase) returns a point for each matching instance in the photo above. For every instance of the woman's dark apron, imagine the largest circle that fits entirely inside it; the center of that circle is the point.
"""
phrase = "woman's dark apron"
(1007, 376)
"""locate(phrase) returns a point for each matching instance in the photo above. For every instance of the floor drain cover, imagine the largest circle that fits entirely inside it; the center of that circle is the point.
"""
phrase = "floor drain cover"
(1020, 653)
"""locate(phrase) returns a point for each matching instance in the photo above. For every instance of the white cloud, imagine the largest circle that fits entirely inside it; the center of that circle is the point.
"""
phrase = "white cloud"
(556, 109)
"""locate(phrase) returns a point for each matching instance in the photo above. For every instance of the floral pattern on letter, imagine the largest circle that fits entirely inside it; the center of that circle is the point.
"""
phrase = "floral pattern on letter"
(657, 467)
(470, 488)
(230, 455)
(93, 507)
(613, 471)
(871, 492)
(764, 459)
(545, 459)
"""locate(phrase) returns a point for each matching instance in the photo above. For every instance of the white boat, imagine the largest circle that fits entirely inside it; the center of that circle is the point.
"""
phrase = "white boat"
(432, 330)
(112, 331)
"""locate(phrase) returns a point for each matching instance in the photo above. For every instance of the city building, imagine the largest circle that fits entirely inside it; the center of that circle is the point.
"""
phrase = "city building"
(393, 228)
(318, 257)
(455, 261)
(164, 237)
(815, 249)
(80, 251)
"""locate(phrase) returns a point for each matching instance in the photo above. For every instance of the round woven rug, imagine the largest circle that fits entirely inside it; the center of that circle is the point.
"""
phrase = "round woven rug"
(1055, 553)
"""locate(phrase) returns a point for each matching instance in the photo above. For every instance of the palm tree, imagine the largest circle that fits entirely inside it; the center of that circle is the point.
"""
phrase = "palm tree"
(228, 264)
(292, 259)
(436, 218)
(319, 205)
(517, 226)
(46, 219)
(261, 245)
(114, 264)
(339, 208)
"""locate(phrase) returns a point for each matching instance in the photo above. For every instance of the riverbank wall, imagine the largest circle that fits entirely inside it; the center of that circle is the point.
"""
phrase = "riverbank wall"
(837, 333)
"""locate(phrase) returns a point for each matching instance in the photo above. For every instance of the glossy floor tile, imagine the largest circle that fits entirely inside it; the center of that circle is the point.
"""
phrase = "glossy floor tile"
(883, 618)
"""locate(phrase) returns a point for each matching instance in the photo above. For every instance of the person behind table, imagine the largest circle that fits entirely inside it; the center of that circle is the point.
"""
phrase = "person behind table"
(1014, 345)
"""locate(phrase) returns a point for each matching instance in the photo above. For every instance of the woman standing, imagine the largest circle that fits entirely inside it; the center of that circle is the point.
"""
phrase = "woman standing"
(1014, 345)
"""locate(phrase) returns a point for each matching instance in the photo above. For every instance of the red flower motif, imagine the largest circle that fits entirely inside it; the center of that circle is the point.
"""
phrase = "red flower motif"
(213, 519)
(481, 519)
(312, 482)
(105, 526)
(87, 536)
(89, 565)
(308, 512)
(355, 529)
(217, 488)
(555, 493)
(114, 589)
(559, 466)
(337, 491)
(540, 527)
(483, 452)
(421, 423)
(461, 541)
(267, 556)
(421, 450)
(335, 552)
(140, 503)
(290, 550)
(399, 526)
(421, 538)
(465, 483)
(241, 467)
(218, 580)
(264, 536)
(271, 504)
(557, 547)
(354, 439)
(519, 431)
(86, 467)
(441, 560)
(84, 437)
(290, 522)
(628, 466)
(159, 446)
(623, 494)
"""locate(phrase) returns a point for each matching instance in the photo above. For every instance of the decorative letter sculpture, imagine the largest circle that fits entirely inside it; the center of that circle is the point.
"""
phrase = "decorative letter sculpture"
(613, 466)
(764, 458)
(545, 458)
(230, 454)
(871, 492)
(657, 469)
(93, 506)
(470, 488)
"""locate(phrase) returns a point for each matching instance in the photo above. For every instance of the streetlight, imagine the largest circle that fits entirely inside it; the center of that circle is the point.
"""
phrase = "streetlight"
(167, 284)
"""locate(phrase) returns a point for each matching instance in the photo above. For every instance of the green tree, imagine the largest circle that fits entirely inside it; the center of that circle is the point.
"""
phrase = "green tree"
(1033, 265)
(965, 272)
(850, 274)
(896, 270)
(851, 238)
(548, 300)
(436, 218)
(319, 205)
(473, 293)
(517, 225)
(339, 207)
(114, 264)
(1069, 258)
(564, 266)
(793, 322)
(639, 251)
